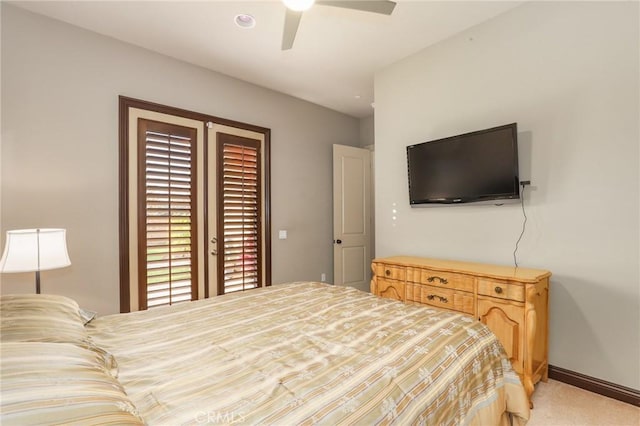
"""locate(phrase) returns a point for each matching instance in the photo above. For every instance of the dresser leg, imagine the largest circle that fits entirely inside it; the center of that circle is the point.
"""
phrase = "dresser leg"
(528, 388)
(545, 374)
(530, 332)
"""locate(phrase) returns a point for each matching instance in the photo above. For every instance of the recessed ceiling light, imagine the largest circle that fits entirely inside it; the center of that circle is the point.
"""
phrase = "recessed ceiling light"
(245, 21)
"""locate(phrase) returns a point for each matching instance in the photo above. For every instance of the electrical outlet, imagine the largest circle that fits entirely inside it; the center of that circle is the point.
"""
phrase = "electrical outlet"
(323, 277)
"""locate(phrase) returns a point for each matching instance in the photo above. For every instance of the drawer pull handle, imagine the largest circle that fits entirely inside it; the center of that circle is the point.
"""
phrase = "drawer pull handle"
(388, 272)
(498, 290)
(442, 280)
(434, 296)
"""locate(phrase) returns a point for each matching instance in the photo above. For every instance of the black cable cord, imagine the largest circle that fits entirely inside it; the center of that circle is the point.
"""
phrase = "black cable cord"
(524, 225)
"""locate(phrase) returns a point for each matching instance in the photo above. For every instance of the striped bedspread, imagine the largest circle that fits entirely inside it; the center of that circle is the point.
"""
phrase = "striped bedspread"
(310, 353)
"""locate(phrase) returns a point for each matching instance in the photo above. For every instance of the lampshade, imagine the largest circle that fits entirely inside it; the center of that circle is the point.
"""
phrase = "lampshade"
(28, 250)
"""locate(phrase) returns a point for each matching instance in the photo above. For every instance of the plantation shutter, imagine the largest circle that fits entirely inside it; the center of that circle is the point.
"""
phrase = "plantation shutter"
(239, 185)
(166, 214)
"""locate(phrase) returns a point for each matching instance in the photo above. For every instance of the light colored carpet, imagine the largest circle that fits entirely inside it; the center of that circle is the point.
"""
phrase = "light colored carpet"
(559, 404)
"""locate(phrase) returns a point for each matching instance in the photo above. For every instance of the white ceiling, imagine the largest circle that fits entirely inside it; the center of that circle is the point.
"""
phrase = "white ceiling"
(334, 57)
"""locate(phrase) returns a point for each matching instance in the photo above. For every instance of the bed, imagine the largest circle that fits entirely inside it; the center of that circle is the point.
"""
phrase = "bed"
(300, 353)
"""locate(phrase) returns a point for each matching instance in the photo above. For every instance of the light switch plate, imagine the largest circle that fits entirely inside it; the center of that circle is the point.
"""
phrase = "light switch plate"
(282, 234)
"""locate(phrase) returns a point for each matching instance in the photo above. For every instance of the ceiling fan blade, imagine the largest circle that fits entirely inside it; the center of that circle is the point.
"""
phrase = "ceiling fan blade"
(291, 23)
(384, 7)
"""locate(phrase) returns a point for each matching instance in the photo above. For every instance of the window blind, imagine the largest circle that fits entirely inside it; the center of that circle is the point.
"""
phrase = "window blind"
(167, 221)
(239, 208)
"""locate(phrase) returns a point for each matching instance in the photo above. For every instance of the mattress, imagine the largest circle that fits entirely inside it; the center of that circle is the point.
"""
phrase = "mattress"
(308, 353)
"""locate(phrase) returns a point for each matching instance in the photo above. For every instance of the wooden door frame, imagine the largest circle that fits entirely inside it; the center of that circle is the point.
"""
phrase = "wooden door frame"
(124, 105)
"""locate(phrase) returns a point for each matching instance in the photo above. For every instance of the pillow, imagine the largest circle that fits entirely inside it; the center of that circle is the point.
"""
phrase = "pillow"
(40, 317)
(59, 383)
(47, 318)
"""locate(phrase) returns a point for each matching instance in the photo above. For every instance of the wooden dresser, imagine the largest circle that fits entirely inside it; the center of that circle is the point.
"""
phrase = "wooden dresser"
(512, 302)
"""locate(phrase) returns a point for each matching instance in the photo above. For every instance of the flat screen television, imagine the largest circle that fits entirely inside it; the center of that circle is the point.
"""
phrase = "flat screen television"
(472, 167)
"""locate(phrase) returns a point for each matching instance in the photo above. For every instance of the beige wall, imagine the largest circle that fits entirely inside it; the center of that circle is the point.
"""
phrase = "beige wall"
(60, 87)
(367, 131)
(367, 140)
(567, 73)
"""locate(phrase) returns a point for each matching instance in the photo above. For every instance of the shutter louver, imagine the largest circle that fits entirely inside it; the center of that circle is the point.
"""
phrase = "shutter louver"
(240, 211)
(167, 215)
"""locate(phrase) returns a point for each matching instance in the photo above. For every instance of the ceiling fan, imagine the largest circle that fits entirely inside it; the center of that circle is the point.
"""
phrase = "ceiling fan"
(295, 8)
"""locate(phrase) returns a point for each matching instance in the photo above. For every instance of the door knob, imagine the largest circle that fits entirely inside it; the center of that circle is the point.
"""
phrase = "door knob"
(338, 241)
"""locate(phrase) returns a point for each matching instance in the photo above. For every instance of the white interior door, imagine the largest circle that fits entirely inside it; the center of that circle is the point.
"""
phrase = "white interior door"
(351, 216)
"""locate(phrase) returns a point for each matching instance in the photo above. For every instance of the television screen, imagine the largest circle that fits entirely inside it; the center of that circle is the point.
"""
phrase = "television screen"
(476, 166)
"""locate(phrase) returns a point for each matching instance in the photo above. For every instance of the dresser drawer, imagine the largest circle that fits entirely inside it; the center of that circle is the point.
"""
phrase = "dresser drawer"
(391, 272)
(446, 280)
(440, 297)
(391, 289)
(501, 289)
